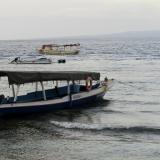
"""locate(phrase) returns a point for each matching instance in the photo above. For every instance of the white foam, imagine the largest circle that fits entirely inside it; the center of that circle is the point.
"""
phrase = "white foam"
(76, 125)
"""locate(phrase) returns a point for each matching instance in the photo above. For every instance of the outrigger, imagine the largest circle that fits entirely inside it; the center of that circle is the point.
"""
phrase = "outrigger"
(79, 87)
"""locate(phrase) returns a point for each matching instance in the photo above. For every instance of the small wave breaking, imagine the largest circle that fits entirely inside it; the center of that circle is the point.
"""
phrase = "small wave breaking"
(105, 127)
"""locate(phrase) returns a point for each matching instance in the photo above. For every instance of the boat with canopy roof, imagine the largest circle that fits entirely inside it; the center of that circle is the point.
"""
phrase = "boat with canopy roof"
(67, 89)
(55, 49)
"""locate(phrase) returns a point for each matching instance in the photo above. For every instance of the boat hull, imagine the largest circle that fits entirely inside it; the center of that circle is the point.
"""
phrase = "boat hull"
(28, 62)
(53, 52)
(35, 61)
(78, 100)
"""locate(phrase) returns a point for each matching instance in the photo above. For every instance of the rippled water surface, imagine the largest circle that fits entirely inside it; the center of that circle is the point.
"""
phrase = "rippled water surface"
(125, 125)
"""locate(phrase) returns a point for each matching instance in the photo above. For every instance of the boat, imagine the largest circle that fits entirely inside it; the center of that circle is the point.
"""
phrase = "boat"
(68, 89)
(41, 60)
(55, 49)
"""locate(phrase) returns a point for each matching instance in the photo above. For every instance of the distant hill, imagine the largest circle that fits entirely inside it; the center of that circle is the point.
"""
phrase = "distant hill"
(136, 34)
(130, 34)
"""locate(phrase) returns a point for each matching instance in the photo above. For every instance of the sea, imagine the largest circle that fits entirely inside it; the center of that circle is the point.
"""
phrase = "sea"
(125, 125)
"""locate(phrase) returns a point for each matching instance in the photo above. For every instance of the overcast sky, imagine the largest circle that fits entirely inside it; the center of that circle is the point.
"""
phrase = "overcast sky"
(23, 19)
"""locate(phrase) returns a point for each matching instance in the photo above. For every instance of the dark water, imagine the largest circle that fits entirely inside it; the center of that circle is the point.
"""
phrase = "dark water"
(126, 125)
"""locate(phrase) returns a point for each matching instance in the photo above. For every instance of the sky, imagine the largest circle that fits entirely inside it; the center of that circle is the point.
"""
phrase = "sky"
(27, 19)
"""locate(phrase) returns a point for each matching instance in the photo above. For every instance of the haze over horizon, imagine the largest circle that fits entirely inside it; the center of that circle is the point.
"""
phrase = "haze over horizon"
(26, 19)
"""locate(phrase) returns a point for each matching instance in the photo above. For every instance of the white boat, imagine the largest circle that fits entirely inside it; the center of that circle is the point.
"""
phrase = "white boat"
(41, 60)
(55, 49)
(80, 88)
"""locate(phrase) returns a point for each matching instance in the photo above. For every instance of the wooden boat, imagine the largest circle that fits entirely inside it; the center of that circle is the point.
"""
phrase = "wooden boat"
(55, 49)
(41, 60)
(73, 94)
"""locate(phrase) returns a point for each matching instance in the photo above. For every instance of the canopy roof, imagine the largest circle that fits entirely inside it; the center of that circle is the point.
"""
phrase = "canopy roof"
(60, 45)
(21, 77)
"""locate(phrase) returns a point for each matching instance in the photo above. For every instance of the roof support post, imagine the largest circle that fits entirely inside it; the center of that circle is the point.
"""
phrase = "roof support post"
(68, 88)
(44, 93)
(56, 83)
(15, 98)
(69, 94)
(13, 91)
(36, 86)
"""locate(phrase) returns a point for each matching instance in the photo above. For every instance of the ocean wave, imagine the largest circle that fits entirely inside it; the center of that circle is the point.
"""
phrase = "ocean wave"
(104, 127)
(111, 111)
